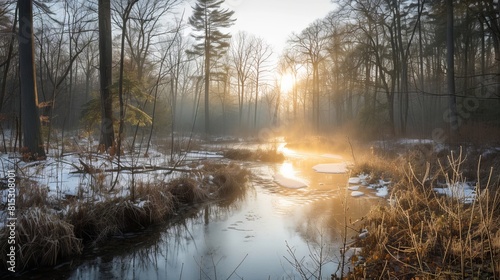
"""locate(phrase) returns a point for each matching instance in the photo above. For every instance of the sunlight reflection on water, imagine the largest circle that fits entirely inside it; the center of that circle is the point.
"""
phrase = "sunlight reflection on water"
(211, 242)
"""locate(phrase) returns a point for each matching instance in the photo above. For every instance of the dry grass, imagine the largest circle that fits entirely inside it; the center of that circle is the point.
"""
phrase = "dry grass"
(97, 221)
(230, 180)
(45, 238)
(426, 236)
(31, 194)
(92, 222)
(263, 155)
(42, 239)
(187, 191)
(158, 202)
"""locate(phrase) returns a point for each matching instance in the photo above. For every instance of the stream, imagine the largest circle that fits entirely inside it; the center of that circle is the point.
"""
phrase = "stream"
(256, 237)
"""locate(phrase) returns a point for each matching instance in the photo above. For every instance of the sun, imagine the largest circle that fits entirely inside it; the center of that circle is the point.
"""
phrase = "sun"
(286, 82)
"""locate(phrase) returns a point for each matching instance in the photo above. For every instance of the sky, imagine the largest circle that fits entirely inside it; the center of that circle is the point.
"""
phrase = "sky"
(275, 20)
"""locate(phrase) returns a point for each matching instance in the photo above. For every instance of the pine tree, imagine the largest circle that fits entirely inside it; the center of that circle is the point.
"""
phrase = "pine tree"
(207, 20)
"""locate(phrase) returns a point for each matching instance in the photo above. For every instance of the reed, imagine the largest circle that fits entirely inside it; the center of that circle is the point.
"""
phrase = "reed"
(428, 236)
(263, 155)
(187, 191)
(43, 239)
(158, 202)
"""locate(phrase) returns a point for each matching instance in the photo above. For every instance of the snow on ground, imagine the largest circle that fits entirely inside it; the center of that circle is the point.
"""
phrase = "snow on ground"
(201, 155)
(63, 176)
(461, 190)
(382, 192)
(334, 168)
(381, 189)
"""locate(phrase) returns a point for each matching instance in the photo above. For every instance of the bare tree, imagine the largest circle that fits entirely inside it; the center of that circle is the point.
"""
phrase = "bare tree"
(242, 56)
(124, 15)
(107, 137)
(262, 53)
(146, 27)
(33, 142)
(450, 75)
(311, 43)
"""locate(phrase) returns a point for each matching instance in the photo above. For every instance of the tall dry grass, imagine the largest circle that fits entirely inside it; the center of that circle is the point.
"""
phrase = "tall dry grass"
(98, 220)
(42, 238)
(49, 230)
(263, 155)
(423, 235)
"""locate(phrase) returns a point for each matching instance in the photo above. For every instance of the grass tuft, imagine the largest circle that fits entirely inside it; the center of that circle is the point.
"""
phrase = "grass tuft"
(430, 236)
(42, 239)
(187, 191)
(263, 155)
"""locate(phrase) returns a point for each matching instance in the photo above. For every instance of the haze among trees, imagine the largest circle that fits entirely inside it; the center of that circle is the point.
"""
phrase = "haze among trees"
(117, 70)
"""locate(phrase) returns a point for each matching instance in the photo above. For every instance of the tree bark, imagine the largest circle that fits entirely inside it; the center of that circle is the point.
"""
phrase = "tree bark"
(33, 142)
(105, 72)
(450, 73)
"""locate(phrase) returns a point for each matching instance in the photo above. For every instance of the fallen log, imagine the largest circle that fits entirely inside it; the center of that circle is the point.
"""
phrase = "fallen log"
(87, 169)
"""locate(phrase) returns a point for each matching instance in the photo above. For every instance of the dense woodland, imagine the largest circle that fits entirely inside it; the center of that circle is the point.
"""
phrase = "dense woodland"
(400, 68)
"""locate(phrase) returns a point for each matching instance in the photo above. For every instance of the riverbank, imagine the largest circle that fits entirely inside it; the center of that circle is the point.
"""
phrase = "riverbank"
(53, 221)
(443, 216)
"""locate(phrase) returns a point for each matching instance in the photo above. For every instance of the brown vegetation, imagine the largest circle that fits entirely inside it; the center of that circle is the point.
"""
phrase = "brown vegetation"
(42, 239)
(267, 155)
(46, 234)
(427, 236)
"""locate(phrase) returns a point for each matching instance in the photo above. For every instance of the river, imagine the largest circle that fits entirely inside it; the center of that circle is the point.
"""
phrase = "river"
(261, 236)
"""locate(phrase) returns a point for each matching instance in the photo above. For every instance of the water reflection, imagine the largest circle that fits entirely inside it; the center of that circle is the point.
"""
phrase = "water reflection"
(258, 235)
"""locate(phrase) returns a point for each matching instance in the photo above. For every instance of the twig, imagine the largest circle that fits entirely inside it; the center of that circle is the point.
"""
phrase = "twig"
(352, 150)
(234, 271)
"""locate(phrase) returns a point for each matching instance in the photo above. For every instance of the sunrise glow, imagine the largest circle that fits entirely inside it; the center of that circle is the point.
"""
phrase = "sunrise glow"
(287, 83)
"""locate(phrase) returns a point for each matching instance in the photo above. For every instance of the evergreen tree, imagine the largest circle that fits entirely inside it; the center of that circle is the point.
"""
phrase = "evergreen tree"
(207, 20)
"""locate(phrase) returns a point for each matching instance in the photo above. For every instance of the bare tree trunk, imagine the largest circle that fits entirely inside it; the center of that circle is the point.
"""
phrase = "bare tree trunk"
(7, 63)
(29, 99)
(450, 73)
(107, 137)
(125, 17)
(207, 86)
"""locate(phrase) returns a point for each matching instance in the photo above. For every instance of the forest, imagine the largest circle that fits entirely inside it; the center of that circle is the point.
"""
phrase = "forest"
(379, 68)
(155, 105)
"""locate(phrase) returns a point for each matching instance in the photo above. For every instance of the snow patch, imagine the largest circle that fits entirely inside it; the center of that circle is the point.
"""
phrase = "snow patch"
(354, 180)
(290, 183)
(357, 193)
(382, 192)
(334, 168)
(353, 188)
(461, 190)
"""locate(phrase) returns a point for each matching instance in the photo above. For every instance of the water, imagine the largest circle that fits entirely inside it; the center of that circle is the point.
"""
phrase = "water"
(258, 237)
